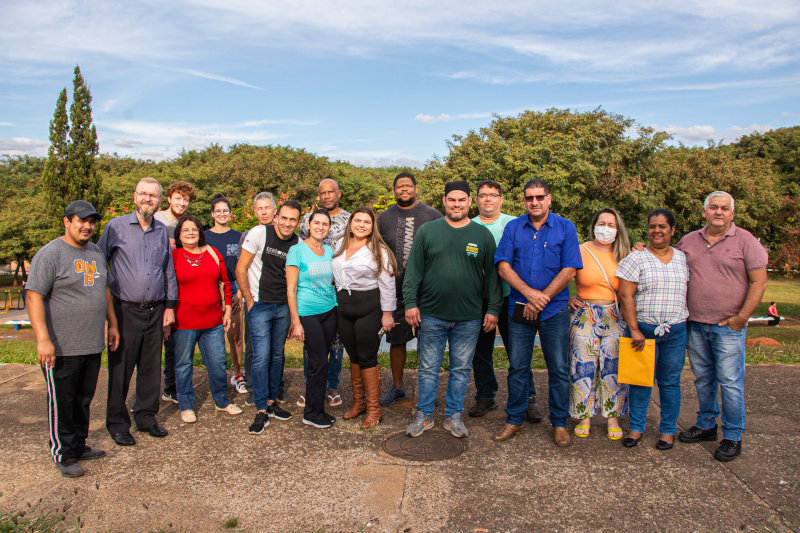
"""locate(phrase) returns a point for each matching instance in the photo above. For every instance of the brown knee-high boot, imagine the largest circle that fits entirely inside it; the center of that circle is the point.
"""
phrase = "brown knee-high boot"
(372, 384)
(359, 406)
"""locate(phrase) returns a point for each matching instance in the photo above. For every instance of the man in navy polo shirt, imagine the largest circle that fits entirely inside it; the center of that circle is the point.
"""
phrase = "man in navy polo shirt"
(537, 256)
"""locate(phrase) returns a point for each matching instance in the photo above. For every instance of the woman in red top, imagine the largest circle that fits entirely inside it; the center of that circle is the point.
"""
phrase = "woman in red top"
(199, 318)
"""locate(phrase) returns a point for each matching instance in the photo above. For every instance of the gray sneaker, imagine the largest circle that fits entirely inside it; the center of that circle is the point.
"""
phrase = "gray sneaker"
(456, 426)
(249, 399)
(392, 395)
(419, 425)
(71, 469)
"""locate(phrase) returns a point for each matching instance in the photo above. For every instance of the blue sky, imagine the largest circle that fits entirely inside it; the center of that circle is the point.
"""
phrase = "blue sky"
(379, 83)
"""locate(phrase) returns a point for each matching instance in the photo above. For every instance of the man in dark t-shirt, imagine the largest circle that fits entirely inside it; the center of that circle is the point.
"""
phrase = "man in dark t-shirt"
(261, 273)
(398, 225)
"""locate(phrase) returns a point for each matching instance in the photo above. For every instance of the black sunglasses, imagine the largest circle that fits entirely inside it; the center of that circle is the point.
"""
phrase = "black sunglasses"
(539, 198)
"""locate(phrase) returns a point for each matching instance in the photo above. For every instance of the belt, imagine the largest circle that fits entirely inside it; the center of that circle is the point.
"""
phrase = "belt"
(138, 305)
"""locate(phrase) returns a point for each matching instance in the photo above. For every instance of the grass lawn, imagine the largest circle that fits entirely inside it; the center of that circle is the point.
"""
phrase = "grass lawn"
(784, 291)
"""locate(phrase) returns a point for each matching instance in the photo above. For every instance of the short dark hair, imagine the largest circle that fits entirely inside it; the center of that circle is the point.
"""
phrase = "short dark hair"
(491, 184)
(536, 183)
(408, 175)
(292, 204)
(181, 221)
(219, 198)
(319, 212)
(665, 212)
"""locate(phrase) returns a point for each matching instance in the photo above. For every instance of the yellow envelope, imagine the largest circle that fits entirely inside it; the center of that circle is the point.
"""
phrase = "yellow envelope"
(637, 368)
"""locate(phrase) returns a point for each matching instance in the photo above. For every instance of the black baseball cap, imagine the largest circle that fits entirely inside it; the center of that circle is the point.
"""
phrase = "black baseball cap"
(82, 209)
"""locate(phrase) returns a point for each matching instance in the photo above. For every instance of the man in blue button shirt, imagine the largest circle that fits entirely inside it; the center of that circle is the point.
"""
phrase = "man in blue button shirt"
(537, 256)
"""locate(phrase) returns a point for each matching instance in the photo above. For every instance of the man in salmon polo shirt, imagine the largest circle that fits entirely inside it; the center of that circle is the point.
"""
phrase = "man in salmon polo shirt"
(727, 278)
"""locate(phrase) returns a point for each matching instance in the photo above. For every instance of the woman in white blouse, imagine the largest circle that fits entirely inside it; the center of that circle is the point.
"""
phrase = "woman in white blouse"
(363, 270)
(652, 290)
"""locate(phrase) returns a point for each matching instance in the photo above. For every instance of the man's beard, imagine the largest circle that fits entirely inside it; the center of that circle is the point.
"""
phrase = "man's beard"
(143, 213)
(456, 218)
(405, 203)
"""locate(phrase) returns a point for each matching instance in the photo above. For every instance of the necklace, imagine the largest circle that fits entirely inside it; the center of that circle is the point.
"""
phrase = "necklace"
(193, 262)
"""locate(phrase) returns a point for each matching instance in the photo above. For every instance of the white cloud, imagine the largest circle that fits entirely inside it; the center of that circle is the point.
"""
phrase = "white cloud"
(692, 134)
(786, 114)
(126, 143)
(444, 117)
(23, 146)
(211, 76)
(737, 132)
(384, 162)
(292, 122)
(6, 124)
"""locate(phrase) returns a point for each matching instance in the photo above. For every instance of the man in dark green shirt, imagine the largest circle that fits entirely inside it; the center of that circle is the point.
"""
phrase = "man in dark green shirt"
(450, 269)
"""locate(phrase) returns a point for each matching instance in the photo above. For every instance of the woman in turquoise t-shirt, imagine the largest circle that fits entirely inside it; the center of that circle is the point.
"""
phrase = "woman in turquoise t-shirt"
(312, 305)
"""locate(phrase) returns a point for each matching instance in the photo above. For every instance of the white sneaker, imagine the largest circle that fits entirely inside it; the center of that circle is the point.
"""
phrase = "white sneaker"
(188, 416)
(239, 384)
(231, 409)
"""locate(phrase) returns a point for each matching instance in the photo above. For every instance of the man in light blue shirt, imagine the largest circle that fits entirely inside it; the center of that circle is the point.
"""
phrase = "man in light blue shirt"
(537, 256)
(490, 203)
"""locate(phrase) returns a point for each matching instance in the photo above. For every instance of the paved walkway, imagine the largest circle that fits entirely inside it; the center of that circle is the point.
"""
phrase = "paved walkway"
(294, 478)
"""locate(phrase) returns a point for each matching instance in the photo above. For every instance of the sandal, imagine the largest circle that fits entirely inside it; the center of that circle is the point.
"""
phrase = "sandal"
(584, 430)
(334, 399)
(614, 433)
(301, 402)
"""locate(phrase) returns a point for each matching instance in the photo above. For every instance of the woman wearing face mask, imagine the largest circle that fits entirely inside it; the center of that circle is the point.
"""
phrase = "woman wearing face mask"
(596, 326)
(364, 269)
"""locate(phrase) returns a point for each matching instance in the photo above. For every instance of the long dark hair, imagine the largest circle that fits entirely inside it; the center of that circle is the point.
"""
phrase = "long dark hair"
(376, 243)
(188, 218)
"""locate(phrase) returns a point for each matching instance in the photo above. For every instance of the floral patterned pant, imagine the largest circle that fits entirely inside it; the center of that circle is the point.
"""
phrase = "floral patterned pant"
(594, 334)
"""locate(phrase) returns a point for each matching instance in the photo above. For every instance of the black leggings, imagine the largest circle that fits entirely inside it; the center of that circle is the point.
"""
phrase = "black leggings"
(319, 333)
(359, 323)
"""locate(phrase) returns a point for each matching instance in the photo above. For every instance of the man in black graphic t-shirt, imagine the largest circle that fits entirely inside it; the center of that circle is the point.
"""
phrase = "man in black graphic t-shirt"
(261, 272)
(398, 225)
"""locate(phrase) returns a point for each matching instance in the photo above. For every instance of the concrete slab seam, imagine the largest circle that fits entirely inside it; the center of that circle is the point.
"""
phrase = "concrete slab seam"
(20, 376)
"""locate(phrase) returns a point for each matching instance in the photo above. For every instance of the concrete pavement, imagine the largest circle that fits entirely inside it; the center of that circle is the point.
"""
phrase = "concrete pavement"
(294, 478)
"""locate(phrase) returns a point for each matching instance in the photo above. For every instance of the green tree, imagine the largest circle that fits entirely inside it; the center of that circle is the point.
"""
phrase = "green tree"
(781, 148)
(54, 177)
(25, 226)
(70, 172)
(590, 160)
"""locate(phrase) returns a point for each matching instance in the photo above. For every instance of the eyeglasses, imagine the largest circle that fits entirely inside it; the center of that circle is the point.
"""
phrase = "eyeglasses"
(147, 196)
(221, 213)
(539, 198)
(485, 195)
(187, 231)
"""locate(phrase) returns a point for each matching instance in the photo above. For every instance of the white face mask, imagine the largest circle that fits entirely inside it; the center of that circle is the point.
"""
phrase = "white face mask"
(605, 234)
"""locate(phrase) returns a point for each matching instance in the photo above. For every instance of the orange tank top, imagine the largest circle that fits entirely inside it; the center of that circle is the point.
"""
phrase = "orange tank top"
(589, 280)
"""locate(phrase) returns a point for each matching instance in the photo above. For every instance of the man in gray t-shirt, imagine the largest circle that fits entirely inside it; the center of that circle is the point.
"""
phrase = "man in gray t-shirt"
(68, 303)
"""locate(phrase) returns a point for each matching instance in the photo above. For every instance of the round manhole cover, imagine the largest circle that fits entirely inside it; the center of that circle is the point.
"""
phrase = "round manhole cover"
(433, 445)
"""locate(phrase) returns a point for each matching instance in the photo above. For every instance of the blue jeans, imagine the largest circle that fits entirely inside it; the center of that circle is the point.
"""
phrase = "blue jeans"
(335, 356)
(269, 325)
(717, 356)
(434, 334)
(212, 348)
(670, 357)
(554, 337)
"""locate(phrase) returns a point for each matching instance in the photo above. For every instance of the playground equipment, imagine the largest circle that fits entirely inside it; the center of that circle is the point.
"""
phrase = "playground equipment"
(14, 300)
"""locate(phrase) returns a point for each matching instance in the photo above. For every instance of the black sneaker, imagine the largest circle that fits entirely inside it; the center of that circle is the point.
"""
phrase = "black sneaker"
(324, 421)
(259, 424)
(274, 411)
(532, 413)
(283, 396)
(249, 399)
(482, 407)
(728, 450)
(695, 434)
(169, 396)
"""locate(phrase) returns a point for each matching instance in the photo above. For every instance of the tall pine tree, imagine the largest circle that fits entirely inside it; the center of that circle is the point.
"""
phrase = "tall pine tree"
(70, 173)
(55, 169)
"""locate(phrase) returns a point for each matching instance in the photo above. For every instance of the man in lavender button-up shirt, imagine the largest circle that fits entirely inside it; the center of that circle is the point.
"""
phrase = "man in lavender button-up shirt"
(145, 292)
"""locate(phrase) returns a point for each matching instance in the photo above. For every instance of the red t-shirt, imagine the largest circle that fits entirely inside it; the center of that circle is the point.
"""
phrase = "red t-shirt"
(199, 305)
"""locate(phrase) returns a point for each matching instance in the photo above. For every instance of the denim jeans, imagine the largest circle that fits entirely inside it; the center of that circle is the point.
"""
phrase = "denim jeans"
(717, 356)
(335, 356)
(434, 334)
(212, 348)
(269, 324)
(554, 337)
(670, 357)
